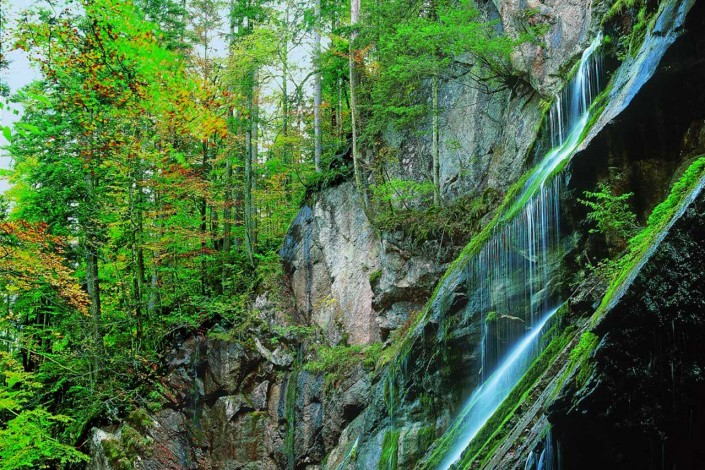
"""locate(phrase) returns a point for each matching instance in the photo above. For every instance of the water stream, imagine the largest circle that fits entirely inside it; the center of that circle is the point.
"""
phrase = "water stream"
(511, 281)
(486, 399)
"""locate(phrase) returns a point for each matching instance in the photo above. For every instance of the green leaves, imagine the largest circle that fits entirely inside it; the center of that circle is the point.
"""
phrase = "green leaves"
(26, 442)
(612, 216)
(416, 41)
(26, 439)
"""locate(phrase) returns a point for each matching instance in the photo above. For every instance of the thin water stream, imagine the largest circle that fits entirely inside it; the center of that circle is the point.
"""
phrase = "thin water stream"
(512, 278)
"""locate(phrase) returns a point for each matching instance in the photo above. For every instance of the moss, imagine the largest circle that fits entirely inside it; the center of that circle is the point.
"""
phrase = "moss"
(390, 451)
(402, 345)
(453, 223)
(491, 317)
(375, 275)
(336, 169)
(492, 433)
(638, 17)
(598, 106)
(336, 361)
(618, 8)
(139, 418)
(121, 452)
(115, 454)
(640, 244)
(427, 435)
(588, 341)
(290, 412)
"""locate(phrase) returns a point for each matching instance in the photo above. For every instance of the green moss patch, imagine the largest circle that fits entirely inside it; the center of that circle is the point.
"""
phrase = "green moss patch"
(390, 451)
(640, 244)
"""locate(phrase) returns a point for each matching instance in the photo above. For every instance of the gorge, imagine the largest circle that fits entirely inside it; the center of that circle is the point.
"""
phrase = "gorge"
(497, 261)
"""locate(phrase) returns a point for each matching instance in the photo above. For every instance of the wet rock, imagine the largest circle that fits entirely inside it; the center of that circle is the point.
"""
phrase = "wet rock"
(644, 379)
(259, 395)
(278, 357)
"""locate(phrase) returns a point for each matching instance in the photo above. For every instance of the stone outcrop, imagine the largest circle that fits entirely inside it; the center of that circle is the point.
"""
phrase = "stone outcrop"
(641, 405)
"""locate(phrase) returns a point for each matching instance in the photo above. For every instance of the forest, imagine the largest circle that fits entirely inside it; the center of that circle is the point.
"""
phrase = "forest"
(300, 233)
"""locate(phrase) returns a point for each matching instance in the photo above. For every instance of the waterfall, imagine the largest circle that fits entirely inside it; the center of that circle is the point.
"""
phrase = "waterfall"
(487, 398)
(511, 275)
(568, 118)
(575, 99)
(349, 456)
(548, 458)
(511, 279)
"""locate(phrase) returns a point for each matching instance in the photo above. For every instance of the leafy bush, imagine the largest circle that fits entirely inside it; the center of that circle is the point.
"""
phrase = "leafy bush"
(402, 193)
(453, 223)
(335, 361)
(612, 216)
(26, 438)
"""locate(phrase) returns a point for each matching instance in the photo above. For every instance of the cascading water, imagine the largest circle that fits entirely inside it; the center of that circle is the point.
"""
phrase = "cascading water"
(485, 400)
(568, 118)
(511, 278)
(547, 459)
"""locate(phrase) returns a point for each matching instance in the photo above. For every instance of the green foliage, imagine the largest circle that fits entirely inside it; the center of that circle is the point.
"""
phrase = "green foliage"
(640, 244)
(335, 170)
(128, 167)
(27, 435)
(612, 216)
(632, 18)
(453, 223)
(404, 193)
(580, 354)
(390, 446)
(336, 361)
(375, 275)
(416, 41)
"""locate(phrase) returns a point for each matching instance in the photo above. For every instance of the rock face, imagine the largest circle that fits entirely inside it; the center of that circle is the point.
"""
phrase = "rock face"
(486, 135)
(642, 405)
(217, 416)
(251, 404)
(330, 254)
(568, 24)
(358, 284)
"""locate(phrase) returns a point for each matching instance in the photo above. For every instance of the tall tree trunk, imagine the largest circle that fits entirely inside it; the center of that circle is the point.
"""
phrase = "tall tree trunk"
(434, 146)
(139, 249)
(317, 88)
(250, 156)
(354, 18)
(284, 54)
(155, 287)
(92, 273)
(255, 153)
(229, 199)
(339, 85)
(204, 221)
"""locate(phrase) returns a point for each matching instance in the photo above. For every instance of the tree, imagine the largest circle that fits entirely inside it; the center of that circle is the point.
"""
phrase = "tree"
(26, 439)
(428, 46)
(31, 262)
(317, 92)
(353, 59)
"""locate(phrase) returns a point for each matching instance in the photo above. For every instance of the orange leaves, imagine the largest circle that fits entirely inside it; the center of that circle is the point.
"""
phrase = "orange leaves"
(30, 257)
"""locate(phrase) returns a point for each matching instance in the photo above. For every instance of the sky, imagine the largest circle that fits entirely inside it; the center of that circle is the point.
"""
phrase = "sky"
(18, 75)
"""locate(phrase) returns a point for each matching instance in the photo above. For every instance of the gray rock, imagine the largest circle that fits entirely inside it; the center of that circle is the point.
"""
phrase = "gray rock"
(278, 357)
